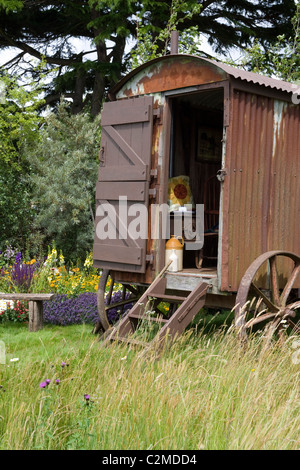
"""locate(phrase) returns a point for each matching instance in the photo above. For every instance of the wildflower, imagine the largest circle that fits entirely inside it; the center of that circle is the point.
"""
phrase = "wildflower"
(43, 385)
(252, 370)
(57, 381)
(87, 399)
(14, 359)
(47, 381)
(123, 358)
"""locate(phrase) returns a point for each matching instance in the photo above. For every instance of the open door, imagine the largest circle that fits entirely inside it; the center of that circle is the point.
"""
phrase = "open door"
(124, 177)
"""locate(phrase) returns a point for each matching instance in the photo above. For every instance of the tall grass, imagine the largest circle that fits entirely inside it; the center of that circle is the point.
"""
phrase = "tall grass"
(203, 393)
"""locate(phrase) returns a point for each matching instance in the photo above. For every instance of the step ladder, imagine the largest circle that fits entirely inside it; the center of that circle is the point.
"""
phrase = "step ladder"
(182, 310)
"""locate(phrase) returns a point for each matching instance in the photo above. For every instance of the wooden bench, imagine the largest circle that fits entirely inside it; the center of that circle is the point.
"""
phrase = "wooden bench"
(35, 307)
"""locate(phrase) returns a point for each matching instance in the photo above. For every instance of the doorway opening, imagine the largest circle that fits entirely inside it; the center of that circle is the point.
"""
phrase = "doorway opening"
(195, 158)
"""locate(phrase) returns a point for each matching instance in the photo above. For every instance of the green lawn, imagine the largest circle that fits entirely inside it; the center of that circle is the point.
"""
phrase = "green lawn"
(203, 393)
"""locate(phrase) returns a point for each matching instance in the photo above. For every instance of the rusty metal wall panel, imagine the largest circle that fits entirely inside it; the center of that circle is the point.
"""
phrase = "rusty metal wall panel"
(261, 204)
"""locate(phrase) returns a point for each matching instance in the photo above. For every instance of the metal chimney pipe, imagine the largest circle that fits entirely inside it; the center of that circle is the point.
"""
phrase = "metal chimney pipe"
(174, 42)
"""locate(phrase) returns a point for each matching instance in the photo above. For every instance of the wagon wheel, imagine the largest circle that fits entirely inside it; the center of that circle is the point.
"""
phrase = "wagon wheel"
(105, 303)
(280, 301)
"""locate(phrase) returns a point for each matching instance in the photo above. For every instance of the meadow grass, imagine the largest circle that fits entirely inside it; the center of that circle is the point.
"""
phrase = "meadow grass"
(205, 392)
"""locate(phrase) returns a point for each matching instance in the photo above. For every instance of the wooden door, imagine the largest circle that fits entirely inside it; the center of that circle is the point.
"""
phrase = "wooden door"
(123, 182)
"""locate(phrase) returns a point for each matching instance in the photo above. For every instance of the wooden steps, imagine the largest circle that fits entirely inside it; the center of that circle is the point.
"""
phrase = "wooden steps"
(182, 310)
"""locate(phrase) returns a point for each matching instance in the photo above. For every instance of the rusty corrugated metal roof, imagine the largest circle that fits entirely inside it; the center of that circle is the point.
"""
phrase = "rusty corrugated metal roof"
(231, 71)
(256, 78)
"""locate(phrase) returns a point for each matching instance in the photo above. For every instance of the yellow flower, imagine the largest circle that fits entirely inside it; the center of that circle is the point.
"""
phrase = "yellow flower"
(75, 270)
(179, 191)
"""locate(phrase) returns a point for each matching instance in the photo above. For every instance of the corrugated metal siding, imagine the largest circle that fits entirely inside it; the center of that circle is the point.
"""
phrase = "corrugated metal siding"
(261, 190)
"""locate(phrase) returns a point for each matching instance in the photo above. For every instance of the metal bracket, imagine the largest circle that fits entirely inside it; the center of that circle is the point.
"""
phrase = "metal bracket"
(102, 156)
(150, 258)
(221, 174)
(157, 112)
(152, 192)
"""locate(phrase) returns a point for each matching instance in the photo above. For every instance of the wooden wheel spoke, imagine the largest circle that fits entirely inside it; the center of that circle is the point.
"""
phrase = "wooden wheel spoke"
(260, 318)
(274, 280)
(269, 304)
(294, 305)
(106, 303)
(122, 303)
(111, 288)
(289, 285)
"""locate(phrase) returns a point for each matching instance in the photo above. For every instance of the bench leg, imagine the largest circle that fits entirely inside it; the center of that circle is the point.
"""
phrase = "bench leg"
(35, 315)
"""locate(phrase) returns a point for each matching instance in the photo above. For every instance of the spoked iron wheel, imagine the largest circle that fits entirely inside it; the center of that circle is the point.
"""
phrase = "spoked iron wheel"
(277, 302)
(106, 301)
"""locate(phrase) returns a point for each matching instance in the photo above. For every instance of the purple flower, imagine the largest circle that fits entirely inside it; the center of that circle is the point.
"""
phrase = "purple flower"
(22, 273)
(45, 383)
(57, 381)
(87, 397)
(65, 310)
(18, 257)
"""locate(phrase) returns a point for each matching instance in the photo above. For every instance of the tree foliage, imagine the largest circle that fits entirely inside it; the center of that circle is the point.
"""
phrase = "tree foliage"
(45, 30)
(282, 57)
(19, 124)
(154, 42)
(64, 174)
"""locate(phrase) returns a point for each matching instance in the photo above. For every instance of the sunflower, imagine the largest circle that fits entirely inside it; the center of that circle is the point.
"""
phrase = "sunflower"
(179, 191)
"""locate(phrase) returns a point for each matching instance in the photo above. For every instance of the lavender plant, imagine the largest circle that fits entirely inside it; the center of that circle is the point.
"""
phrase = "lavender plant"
(22, 274)
(64, 310)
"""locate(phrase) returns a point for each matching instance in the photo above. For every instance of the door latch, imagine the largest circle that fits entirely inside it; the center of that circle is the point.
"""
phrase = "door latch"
(221, 174)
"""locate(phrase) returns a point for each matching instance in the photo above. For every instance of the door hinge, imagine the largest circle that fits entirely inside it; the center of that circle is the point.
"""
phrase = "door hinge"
(102, 156)
(150, 258)
(152, 192)
(153, 172)
(157, 112)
